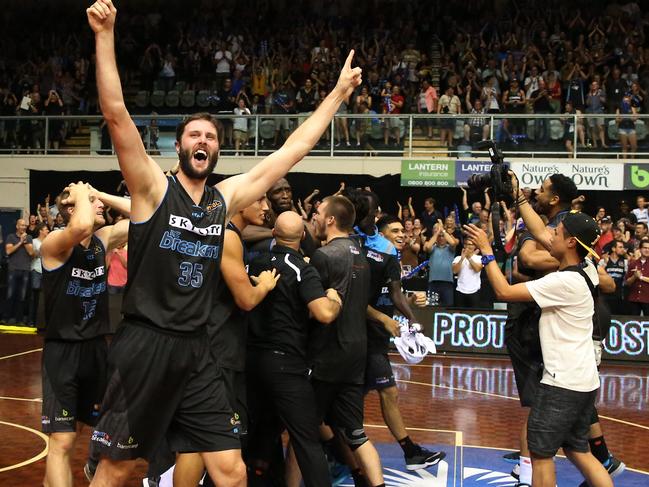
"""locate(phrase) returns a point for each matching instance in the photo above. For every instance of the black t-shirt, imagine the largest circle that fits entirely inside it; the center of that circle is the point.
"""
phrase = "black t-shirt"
(384, 269)
(338, 350)
(281, 321)
(227, 326)
(173, 260)
(76, 299)
(542, 105)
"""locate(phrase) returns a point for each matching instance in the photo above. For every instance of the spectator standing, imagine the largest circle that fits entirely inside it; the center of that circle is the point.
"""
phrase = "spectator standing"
(637, 280)
(441, 247)
(625, 119)
(641, 213)
(615, 263)
(240, 125)
(307, 97)
(117, 263)
(20, 250)
(595, 104)
(449, 104)
(36, 272)
(394, 107)
(427, 104)
(605, 226)
(430, 216)
(468, 267)
(540, 98)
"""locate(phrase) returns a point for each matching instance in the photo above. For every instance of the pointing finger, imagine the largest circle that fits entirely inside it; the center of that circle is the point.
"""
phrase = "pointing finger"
(348, 62)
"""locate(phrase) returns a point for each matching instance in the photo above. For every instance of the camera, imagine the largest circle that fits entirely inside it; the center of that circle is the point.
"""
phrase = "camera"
(497, 178)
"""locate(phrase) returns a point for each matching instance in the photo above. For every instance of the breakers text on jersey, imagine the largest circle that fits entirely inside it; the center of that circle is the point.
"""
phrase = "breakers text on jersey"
(171, 240)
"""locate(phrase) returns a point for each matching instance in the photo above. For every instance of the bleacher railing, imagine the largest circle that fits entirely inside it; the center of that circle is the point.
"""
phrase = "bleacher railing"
(525, 135)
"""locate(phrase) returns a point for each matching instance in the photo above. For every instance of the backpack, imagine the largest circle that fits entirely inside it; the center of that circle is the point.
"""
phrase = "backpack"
(602, 313)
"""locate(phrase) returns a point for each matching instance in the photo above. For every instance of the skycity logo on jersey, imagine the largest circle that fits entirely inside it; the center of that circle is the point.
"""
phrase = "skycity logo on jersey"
(186, 224)
(87, 275)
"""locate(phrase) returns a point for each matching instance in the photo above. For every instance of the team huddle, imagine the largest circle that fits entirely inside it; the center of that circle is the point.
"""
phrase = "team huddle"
(241, 322)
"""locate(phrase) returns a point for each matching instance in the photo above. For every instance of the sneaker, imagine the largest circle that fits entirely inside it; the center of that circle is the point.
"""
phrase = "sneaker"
(423, 459)
(614, 467)
(338, 473)
(516, 471)
(89, 472)
(513, 457)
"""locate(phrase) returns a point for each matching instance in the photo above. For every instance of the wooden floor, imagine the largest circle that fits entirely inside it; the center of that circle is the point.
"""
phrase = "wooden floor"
(445, 401)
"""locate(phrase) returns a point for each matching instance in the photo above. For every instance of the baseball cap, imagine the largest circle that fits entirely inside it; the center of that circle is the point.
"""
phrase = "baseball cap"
(606, 219)
(584, 229)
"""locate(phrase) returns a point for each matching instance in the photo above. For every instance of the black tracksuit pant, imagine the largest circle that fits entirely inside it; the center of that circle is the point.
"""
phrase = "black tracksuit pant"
(284, 397)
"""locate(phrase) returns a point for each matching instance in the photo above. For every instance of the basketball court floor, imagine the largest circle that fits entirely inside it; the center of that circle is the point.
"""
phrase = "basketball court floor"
(464, 405)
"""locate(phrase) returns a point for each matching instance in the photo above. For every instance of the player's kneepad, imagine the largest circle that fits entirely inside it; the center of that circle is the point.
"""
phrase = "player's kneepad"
(354, 438)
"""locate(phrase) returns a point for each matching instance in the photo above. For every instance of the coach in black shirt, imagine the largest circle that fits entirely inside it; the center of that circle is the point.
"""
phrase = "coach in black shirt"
(338, 351)
(277, 363)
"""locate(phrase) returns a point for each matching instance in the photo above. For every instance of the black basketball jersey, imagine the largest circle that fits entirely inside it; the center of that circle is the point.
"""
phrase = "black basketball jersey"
(173, 260)
(76, 297)
(384, 269)
(338, 350)
(228, 324)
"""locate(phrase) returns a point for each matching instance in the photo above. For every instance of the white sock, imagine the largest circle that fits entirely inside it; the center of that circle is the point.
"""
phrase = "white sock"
(526, 470)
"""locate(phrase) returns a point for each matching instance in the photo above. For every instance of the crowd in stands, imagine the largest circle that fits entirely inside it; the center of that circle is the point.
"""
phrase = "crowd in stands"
(279, 57)
(435, 256)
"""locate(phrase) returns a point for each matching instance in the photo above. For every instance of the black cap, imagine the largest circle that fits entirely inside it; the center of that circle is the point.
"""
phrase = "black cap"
(584, 229)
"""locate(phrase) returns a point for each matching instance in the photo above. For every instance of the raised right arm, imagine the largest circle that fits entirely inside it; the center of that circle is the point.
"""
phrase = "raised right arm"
(145, 180)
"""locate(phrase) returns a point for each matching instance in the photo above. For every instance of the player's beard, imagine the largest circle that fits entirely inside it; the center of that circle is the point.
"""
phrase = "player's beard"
(185, 158)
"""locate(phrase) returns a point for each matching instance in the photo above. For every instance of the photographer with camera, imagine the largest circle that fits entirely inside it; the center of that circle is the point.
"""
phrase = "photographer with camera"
(564, 402)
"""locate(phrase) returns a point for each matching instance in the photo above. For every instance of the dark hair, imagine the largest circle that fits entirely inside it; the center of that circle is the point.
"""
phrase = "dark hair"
(63, 209)
(39, 227)
(360, 202)
(565, 188)
(342, 210)
(431, 201)
(643, 242)
(180, 129)
(643, 224)
(386, 220)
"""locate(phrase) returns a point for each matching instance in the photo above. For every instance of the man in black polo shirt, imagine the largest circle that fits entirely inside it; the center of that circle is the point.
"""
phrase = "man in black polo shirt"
(277, 362)
(19, 250)
(338, 351)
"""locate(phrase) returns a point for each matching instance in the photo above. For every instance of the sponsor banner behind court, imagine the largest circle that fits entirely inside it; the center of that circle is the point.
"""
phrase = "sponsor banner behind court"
(586, 175)
(427, 173)
(465, 169)
(636, 176)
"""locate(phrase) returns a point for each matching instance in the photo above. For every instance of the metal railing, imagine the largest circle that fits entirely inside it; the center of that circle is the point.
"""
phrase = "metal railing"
(525, 135)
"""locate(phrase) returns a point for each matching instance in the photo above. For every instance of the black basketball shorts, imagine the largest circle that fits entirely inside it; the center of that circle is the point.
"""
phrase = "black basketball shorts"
(378, 372)
(162, 383)
(74, 381)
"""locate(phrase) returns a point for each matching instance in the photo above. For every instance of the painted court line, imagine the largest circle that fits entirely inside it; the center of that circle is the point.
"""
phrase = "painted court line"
(35, 458)
(21, 353)
(628, 423)
(6, 398)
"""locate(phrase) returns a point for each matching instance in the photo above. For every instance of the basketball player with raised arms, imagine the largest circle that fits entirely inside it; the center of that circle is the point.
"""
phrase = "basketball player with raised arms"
(162, 379)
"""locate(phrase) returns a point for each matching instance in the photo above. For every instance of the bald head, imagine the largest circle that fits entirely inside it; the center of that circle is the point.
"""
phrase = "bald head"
(289, 228)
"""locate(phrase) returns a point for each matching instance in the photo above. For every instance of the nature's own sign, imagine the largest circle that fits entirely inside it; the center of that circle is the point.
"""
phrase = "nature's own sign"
(594, 176)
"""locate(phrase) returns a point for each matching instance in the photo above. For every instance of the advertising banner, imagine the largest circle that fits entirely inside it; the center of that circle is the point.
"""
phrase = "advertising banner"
(636, 176)
(484, 332)
(427, 173)
(465, 169)
(586, 175)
